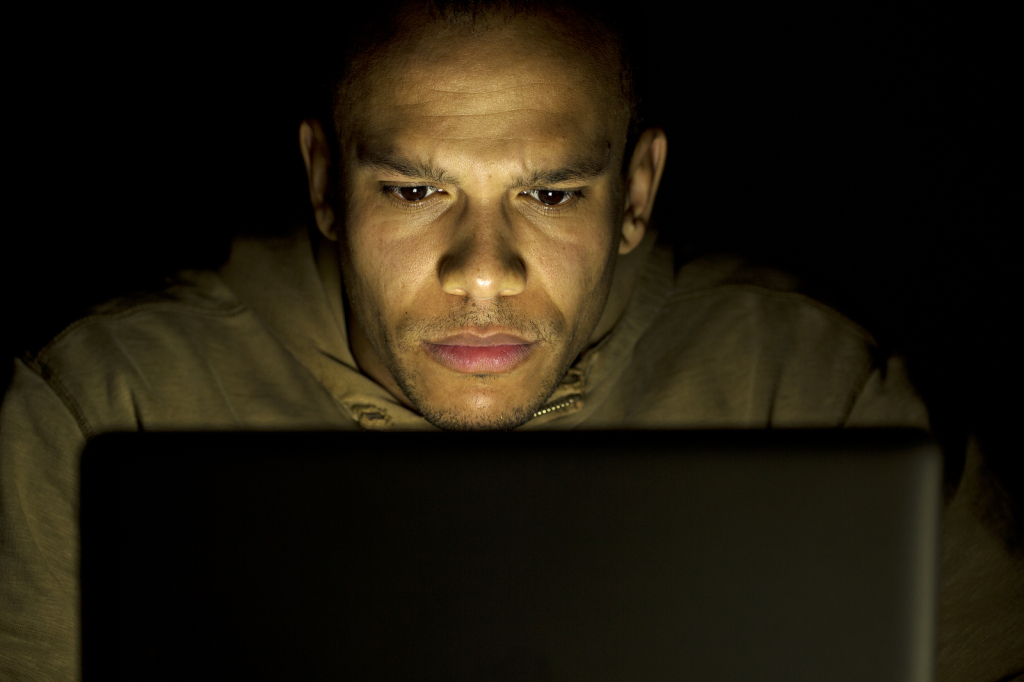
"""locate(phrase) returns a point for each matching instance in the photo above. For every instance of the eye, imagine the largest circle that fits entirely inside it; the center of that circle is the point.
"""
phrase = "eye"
(553, 197)
(412, 194)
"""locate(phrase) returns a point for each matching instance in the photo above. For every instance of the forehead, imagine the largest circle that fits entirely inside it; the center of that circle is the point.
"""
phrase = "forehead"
(507, 86)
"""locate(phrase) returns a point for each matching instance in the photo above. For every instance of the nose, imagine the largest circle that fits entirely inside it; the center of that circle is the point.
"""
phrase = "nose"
(482, 261)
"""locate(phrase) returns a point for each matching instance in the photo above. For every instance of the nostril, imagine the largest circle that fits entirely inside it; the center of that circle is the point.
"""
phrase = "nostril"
(482, 271)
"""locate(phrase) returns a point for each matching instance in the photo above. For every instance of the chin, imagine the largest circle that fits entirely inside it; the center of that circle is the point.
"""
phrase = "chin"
(486, 409)
(477, 420)
(478, 402)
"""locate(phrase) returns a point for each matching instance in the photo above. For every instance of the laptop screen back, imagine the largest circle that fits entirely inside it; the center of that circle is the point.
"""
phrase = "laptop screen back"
(797, 555)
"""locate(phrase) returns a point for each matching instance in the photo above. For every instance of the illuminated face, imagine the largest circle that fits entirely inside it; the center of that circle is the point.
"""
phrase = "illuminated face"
(483, 215)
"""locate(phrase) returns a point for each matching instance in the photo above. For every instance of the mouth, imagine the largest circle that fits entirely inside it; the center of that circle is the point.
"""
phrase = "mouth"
(472, 354)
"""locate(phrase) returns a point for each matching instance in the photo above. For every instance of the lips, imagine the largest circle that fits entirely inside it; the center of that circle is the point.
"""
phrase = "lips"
(473, 354)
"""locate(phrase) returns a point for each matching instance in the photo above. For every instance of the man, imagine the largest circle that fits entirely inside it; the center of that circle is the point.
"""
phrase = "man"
(484, 213)
(482, 259)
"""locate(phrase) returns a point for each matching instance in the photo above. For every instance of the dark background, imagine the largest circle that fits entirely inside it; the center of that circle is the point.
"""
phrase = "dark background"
(859, 149)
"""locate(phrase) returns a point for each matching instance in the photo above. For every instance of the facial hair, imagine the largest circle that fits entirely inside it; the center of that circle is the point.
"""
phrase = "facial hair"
(467, 315)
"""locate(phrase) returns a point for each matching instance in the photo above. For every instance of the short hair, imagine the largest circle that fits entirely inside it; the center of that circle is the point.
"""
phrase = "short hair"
(363, 32)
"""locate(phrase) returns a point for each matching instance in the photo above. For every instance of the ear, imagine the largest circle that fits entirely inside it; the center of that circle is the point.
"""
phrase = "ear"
(316, 155)
(645, 168)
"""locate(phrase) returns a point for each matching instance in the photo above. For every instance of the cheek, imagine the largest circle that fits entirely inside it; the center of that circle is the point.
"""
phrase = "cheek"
(571, 266)
(392, 264)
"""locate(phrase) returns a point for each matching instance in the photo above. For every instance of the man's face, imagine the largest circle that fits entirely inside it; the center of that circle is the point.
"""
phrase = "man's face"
(483, 211)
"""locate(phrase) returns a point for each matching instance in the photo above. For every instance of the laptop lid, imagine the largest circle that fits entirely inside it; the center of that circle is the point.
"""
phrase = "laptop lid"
(796, 555)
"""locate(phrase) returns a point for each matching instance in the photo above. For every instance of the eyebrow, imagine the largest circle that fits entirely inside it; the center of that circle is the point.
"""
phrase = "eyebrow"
(579, 170)
(384, 161)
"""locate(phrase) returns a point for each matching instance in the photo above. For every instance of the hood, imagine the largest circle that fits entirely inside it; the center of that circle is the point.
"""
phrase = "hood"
(293, 284)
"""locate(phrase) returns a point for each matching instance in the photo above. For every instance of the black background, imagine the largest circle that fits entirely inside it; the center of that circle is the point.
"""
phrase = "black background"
(860, 148)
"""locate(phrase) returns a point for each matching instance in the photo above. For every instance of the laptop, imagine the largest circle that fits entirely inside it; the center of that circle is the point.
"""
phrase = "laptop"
(500, 557)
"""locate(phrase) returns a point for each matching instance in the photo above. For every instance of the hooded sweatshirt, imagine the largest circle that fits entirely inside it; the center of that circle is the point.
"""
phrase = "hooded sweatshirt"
(262, 344)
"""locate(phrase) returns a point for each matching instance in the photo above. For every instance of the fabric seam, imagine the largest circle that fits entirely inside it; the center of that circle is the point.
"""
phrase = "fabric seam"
(71, 405)
(794, 296)
(142, 308)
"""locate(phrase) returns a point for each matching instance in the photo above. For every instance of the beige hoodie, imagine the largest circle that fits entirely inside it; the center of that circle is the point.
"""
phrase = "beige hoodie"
(262, 345)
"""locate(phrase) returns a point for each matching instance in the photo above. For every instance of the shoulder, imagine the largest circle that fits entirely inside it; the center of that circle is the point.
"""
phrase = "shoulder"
(140, 353)
(188, 356)
(189, 294)
(730, 296)
(737, 343)
(189, 299)
(149, 327)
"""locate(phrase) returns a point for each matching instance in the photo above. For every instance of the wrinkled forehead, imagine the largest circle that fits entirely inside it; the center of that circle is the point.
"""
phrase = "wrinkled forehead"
(487, 80)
